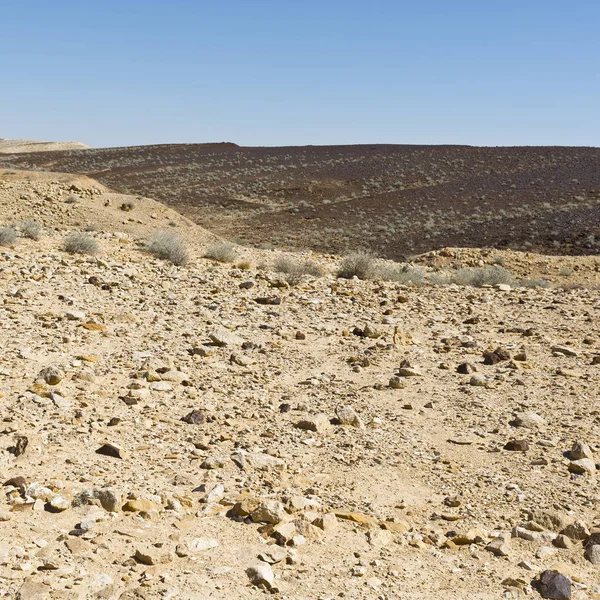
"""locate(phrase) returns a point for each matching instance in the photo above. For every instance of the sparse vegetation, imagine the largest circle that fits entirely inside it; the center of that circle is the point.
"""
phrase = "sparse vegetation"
(8, 236)
(294, 270)
(402, 274)
(81, 243)
(359, 264)
(221, 251)
(167, 245)
(31, 230)
(72, 200)
(534, 283)
(479, 276)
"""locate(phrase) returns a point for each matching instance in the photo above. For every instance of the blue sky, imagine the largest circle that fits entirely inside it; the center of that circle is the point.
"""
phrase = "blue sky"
(279, 72)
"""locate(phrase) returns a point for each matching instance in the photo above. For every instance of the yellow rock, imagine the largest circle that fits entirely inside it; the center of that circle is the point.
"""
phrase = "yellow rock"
(141, 505)
(356, 517)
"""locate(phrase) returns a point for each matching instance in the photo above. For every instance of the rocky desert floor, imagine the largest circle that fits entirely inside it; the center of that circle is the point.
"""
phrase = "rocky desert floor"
(209, 431)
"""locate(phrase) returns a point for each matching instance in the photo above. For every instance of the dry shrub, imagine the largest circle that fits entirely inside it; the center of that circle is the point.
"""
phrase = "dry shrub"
(359, 264)
(31, 230)
(294, 270)
(221, 251)
(81, 243)
(167, 245)
(8, 236)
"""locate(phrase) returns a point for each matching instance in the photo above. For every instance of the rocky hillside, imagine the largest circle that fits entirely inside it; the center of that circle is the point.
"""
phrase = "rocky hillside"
(397, 201)
(208, 430)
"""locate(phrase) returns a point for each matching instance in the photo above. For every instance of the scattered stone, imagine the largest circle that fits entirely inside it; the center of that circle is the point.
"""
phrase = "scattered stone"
(517, 446)
(396, 383)
(141, 505)
(58, 503)
(223, 337)
(318, 423)
(555, 586)
(269, 511)
(110, 500)
(564, 350)
(479, 380)
(52, 375)
(528, 420)
(583, 466)
(112, 450)
(195, 417)
(592, 553)
(581, 450)
(493, 357)
(466, 368)
(153, 555)
(577, 530)
(347, 416)
(261, 573)
(500, 546)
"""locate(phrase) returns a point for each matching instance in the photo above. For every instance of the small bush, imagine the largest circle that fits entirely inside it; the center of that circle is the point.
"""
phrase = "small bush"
(72, 200)
(168, 246)
(294, 270)
(81, 243)
(244, 265)
(402, 274)
(8, 236)
(31, 230)
(479, 276)
(360, 264)
(534, 283)
(221, 251)
(438, 279)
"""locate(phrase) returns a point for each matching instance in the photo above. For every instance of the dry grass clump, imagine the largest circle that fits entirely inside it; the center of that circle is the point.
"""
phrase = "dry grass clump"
(81, 243)
(359, 264)
(221, 251)
(295, 270)
(167, 245)
(8, 236)
(534, 283)
(402, 274)
(31, 230)
(479, 276)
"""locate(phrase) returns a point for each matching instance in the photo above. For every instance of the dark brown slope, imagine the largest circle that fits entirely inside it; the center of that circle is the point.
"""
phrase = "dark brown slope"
(396, 200)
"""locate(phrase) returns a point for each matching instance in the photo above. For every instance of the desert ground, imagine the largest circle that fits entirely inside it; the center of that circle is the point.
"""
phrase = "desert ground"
(239, 430)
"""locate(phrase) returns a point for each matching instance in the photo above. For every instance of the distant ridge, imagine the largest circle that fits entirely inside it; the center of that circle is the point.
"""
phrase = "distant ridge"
(28, 146)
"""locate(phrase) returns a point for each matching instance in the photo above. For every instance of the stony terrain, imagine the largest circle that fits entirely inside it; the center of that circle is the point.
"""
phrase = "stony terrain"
(209, 431)
(395, 200)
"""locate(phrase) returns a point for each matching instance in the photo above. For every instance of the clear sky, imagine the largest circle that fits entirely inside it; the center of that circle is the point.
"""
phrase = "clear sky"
(285, 72)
